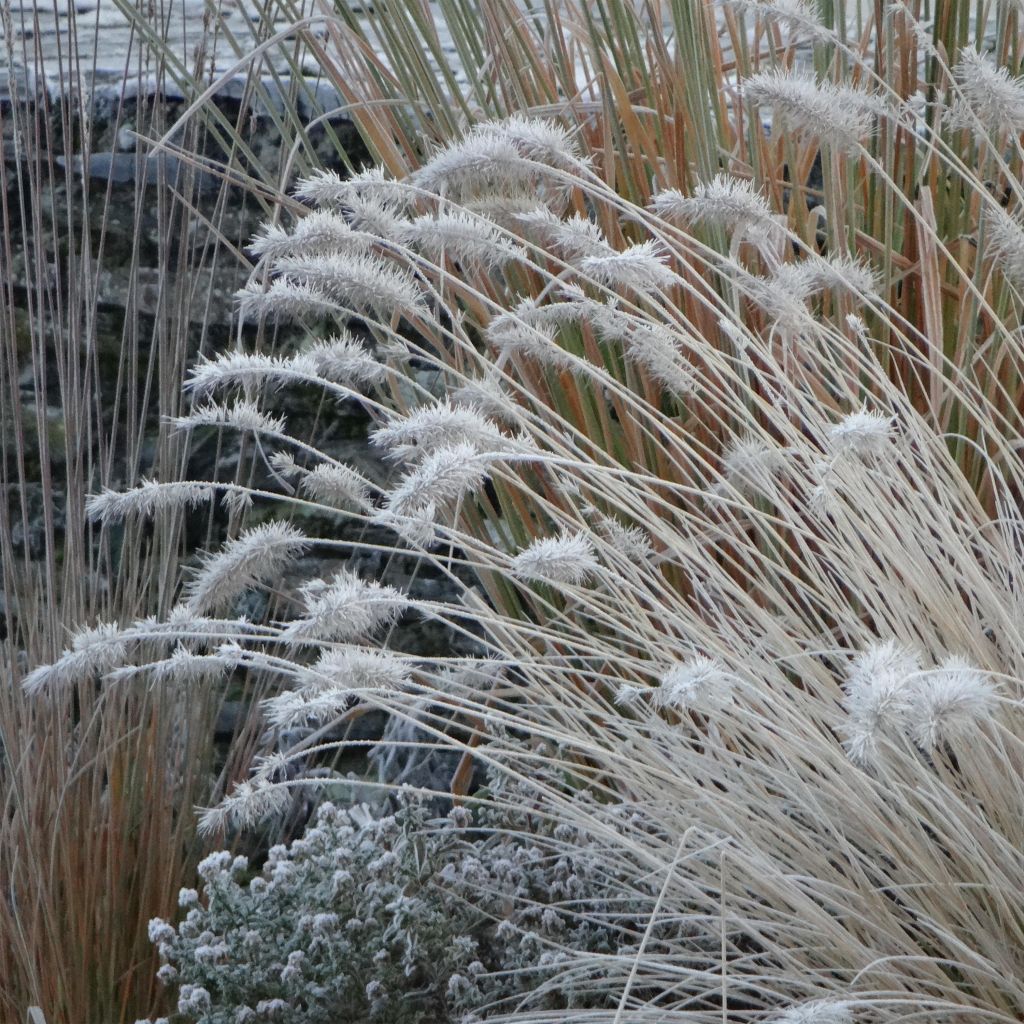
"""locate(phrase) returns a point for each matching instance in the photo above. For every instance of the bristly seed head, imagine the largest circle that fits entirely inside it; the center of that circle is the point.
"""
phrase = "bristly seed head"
(822, 111)
(567, 559)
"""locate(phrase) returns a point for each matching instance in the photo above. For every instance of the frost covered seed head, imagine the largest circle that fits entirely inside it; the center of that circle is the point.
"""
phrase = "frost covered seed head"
(818, 1011)
(698, 684)
(283, 299)
(990, 96)
(730, 202)
(656, 348)
(149, 498)
(346, 608)
(568, 559)
(441, 479)
(640, 267)
(1005, 235)
(344, 360)
(93, 651)
(336, 485)
(363, 284)
(463, 238)
(241, 415)
(818, 110)
(878, 687)
(750, 465)
(948, 701)
(862, 434)
(354, 668)
(432, 426)
(258, 555)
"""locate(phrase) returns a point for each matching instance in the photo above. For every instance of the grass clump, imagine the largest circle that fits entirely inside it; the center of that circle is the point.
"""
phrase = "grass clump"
(712, 426)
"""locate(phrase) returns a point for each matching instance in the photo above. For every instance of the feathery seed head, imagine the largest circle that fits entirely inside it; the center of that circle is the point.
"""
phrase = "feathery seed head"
(990, 96)
(249, 803)
(656, 348)
(441, 479)
(879, 686)
(818, 1011)
(282, 299)
(431, 426)
(640, 267)
(345, 609)
(542, 140)
(147, 499)
(373, 185)
(94, 651)
(947, 702)
(336, 485)
(509, 333)
(487, 397)
(296, 709)
(1005, 233)
(247, 370)
(630, 696)
(476, 164)
(794, 14)
(566, 559)
(352, 669)
(730, 202)
(258, 555)
(840, 273)
(345, 360)
(363, 284)
(318, 232)
(463, 238)
(836, 115)
(699, 683)
(242, 415)
(750, 465)
(861, 434)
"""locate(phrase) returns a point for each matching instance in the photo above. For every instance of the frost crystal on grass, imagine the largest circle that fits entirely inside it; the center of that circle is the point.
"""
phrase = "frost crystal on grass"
(317, 232)
(249, 803)
(339, 486)
(1005, 235)
(751, 464)
(818, 1011)
(657, 349)
(354, 668)
(241, 415)
(282, 299)
(462, 237)
(641, 267)
(246, 370)
(567, 559)
(441, 479)
(364, 284)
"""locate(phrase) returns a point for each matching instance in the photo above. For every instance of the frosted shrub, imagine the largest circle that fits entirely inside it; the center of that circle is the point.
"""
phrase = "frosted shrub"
(399, 919)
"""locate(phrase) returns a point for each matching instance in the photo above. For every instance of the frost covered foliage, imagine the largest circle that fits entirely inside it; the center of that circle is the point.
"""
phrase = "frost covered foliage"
(401, 919)
(725, 534)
